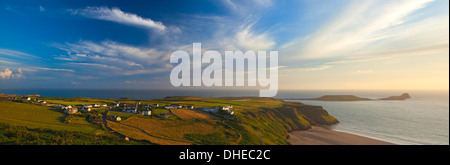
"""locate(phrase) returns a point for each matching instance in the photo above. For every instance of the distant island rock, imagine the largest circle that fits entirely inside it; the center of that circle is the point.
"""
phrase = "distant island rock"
(338, 98)
(401, 97)
(353, 98)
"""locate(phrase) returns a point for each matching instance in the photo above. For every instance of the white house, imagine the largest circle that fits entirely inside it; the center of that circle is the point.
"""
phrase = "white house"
(96, 105)
(70, 111)
(176, 106)
(87, 105)
(85, 109)
(114, 118)
(231, 112)
(169, 107)
(146, 113)
(25, 98)
(227, 107)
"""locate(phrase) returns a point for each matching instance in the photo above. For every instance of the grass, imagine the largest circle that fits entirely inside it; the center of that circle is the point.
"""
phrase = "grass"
(158, 111)
(122, 115)
(14, 135)
(35, 116)
(256, 120)
(139, 135)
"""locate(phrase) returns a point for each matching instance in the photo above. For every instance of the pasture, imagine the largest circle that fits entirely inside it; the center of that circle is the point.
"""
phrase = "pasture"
(35, 116)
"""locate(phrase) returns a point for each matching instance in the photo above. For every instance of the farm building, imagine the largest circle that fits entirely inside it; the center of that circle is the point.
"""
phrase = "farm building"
(146, 112)
(114, 118)
(85, 109)
(70, 111)
(25, 98)
(155, 106)
(190, 107)
(177, 106)
(169, 107)
(226, 107)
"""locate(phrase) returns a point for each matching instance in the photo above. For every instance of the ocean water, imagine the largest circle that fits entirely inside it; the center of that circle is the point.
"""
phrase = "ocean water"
(423, 119)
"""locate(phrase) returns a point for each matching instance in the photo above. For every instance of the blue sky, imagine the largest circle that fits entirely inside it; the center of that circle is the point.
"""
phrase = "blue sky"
(329, 44)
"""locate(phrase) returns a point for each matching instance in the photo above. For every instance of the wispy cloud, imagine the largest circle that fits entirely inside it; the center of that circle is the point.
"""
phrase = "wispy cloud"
(112, 58)
(117, 15)
(35, 69)
(366, 25)
(41, 8)
(16, 54)
(315, 68)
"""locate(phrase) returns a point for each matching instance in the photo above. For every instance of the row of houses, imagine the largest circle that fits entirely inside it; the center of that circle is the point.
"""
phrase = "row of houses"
(94, 105)
(30, 99)
(68, 109)
(217, 109)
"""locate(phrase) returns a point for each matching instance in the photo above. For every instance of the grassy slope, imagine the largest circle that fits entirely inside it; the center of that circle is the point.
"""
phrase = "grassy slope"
(25, 123)
(35, 116)
(255, 118)
(270, 119)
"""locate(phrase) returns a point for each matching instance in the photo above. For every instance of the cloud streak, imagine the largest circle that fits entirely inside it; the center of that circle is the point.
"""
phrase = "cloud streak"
(118, 16)
(364, 25)
(112, 58)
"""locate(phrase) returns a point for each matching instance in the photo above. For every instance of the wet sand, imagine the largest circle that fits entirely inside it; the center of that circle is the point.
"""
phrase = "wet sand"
(326, 136)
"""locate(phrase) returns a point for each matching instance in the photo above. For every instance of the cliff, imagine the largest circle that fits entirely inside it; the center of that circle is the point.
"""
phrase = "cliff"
(274, 124)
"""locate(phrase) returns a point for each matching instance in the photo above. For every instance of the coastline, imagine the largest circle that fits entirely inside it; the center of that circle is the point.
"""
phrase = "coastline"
(319, 135)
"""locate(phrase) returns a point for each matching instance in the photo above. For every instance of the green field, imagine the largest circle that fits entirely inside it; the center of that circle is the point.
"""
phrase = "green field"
(256, 121)
(35, 116)
(122, 115)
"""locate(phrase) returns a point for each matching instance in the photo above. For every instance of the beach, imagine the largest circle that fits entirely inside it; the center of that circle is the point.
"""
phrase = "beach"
(325, 136)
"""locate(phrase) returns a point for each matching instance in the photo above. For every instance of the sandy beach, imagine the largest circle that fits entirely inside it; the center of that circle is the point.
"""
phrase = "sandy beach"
(325, 136)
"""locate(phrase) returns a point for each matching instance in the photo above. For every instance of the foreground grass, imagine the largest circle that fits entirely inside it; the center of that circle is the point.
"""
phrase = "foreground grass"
(14, 135)
(35, 116)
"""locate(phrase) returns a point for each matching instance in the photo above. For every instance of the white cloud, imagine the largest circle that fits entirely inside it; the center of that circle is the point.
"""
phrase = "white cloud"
(316, 68)
(250, 41)
(8, 74)
(117, 15)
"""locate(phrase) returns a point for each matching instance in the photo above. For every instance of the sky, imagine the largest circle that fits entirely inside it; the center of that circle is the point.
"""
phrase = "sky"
(326, 44)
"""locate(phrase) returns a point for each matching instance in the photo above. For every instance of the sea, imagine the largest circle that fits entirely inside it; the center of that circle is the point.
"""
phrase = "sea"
(421, 120)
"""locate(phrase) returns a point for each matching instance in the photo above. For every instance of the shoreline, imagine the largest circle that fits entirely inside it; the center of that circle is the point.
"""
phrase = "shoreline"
(320, 135)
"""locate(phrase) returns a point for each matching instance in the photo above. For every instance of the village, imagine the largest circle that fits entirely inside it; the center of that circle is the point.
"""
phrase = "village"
(129, 108)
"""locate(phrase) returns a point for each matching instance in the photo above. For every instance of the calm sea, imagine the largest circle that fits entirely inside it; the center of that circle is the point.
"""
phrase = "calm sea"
(423, 119)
